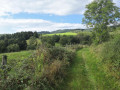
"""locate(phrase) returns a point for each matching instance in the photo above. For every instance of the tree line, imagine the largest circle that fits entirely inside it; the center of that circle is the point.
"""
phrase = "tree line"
(66, 40)
(16, 41)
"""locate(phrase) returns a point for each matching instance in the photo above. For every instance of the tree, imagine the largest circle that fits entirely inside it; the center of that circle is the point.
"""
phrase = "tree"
(99, 15)
(32, 43)
(13, 48)
(48, 41)
(2, 46)
(63, 40)
(36, 34)
(56, 38)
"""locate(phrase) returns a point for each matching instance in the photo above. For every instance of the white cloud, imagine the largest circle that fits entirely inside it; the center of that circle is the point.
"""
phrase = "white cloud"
(117, 2)
(56, 7)
(17, 25)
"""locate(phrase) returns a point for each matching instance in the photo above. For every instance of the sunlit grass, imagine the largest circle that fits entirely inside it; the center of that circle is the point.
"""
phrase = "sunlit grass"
(67, 33)
(87, 73)
(16, 55)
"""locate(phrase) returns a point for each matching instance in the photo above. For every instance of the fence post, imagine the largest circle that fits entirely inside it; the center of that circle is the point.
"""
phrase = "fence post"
(4, 60)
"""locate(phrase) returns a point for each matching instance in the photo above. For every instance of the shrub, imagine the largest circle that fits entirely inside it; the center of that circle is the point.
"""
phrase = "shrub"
(84, 39)
(32, 43)
(48, 41)
(111, 52)
(13, 48)
(44, 70)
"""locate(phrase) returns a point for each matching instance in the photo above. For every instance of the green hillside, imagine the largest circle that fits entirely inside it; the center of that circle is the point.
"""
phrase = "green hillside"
(16, 55)
(67, 33)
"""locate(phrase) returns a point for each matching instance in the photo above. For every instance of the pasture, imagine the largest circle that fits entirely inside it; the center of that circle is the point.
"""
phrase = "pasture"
(67, 33)
(16, 55)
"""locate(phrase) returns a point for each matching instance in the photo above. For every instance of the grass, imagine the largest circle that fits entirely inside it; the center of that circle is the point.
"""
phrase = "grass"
(85, 32)
(67, 33)
(87, 73)
(16, 55)
(77, 78)
(57, 44)
(97, 75)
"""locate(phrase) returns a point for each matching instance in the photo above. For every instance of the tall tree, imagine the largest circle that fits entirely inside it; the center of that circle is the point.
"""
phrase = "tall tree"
(99, 15)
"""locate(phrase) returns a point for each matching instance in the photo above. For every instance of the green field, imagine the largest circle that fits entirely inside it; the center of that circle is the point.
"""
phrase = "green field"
(67, 33)
(16, 55)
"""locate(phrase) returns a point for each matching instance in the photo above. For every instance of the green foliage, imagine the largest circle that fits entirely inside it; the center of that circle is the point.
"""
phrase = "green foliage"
(111, 52)
(35, 34)
(48, 41)
(99, 14)
(13, 48)
(56, 38)
(44, 70)
(16, 38)
(79, 39)
(2, 46)
(97, 74)
(32, 43)
(63, 40)
(84, 39)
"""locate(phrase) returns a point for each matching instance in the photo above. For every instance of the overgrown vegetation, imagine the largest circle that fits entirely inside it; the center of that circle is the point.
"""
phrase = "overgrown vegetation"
(111, 56)
(53, 64)
(45, 69)
(80, 38)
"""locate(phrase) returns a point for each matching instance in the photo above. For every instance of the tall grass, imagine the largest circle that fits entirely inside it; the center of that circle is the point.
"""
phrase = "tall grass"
(100, 78)
(45, 69)
(111, 56)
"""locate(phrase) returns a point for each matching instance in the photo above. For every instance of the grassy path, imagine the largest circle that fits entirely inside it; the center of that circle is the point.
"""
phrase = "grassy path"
(87, 73)
(77, 78)
(96, 73)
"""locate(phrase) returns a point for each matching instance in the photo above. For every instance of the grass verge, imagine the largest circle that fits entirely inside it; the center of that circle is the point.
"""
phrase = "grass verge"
(87, 73)
(77, 78)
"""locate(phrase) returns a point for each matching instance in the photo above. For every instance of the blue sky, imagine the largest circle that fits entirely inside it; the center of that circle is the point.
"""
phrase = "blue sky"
(42, 15)
(73, 18)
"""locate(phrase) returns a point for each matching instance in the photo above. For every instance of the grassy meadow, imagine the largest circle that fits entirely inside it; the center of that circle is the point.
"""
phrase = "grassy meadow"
(16, 55)
(67, 33)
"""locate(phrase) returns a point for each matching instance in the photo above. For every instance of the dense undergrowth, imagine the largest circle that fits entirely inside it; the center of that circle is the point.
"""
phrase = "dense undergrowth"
(44, 70)
(109, 53)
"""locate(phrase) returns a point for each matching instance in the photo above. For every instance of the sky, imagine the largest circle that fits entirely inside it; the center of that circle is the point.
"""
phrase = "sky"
(42, 15)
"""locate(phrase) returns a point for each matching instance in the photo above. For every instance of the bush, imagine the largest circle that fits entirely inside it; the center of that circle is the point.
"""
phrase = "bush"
(44, 70)
(111, 52)
(84, 39)
(13, 48)
(32, 43)
(48, 41)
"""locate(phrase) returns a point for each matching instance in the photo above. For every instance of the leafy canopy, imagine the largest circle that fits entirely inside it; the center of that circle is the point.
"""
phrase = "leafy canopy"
(99, 15)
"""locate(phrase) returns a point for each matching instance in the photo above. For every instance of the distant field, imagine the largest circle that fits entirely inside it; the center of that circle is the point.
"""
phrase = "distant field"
(16, 55)
(67, 33)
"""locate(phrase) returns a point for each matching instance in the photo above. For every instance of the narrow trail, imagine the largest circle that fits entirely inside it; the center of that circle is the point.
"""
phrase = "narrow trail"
(87, 73)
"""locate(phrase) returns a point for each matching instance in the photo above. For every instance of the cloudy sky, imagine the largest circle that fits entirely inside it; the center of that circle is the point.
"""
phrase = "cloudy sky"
(42, 15)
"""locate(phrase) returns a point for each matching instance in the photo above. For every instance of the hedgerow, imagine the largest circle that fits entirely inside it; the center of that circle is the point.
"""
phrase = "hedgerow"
(44, 70)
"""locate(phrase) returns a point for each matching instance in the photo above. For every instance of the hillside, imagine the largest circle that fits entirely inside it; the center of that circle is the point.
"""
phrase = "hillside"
(83, 70)
(64, 31)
